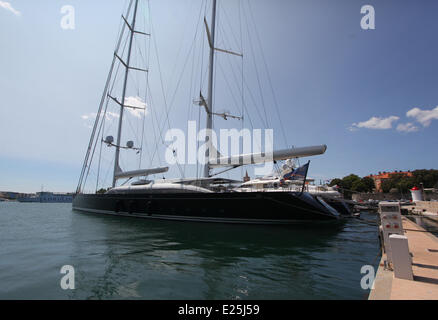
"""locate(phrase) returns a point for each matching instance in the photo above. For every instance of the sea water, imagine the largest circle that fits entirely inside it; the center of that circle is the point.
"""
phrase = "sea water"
(130, 258)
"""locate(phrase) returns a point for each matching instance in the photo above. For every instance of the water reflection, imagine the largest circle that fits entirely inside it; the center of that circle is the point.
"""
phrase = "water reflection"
(225, 240)
(121, 257)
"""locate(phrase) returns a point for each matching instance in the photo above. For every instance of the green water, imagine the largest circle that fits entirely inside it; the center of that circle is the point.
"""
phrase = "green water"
(128, 258)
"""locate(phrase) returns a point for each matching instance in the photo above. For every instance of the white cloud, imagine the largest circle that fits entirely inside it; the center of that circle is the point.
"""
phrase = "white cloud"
(407, 127)
(8, 6)
(138, 103)
(375, 123)
(91, 116)
(424, 117)
(111, 115)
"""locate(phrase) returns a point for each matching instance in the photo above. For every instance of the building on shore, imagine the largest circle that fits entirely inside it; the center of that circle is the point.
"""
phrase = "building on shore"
(42, 196)
(8, 195)
(381, 176)
(48, 197)
(12, 196)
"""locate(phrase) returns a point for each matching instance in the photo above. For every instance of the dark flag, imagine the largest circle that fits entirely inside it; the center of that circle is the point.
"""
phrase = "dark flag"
(299, 174)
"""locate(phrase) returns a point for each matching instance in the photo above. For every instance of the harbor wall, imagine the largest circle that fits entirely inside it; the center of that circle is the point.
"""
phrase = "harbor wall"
(380, 196)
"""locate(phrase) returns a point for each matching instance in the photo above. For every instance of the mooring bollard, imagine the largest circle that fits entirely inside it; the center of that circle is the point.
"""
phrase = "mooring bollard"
(401, 259)
(391, 223)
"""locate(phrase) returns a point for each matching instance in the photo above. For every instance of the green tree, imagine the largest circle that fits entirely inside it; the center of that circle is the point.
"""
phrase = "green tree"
(363, 185)
(369, 183)
(387, 185)
(335, 182)
(397, 182)
(429, 178)
(346, 184)
(349, 181)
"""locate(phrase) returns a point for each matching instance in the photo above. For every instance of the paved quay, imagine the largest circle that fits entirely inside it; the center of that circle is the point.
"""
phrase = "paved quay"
(423, 247)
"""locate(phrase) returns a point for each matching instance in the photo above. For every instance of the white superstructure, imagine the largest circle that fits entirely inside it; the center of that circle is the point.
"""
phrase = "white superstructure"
(274, 184)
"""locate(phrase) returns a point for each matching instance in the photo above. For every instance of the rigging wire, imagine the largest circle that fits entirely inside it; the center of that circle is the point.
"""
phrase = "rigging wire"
(168, 107)
(145, 99)
(162, 85)
(200, 89)
(100, 154)
(268, 75)
(98, 115)
(191, 93)
(257, 73)
(154, 130)
(135, 79)
(242, 75)
(104, 113)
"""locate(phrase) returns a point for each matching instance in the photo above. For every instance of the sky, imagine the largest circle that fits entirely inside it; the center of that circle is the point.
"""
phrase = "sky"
(370, 95)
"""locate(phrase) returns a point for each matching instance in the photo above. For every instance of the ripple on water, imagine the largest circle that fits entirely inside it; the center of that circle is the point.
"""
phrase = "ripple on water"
(122, 258)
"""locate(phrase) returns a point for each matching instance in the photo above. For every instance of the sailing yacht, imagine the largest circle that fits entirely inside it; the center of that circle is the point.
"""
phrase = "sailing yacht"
(204, 199)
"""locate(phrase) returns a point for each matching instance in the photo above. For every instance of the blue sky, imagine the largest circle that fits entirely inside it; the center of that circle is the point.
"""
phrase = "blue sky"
(370, 95)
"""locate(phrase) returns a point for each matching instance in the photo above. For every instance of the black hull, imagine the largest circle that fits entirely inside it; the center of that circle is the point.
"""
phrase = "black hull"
(239, 207)
(339, 205)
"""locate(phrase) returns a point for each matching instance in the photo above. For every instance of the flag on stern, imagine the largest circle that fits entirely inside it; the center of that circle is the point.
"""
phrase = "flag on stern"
(299, 174)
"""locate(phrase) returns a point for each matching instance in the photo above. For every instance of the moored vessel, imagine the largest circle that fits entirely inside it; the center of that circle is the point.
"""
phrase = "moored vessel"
(204, 199)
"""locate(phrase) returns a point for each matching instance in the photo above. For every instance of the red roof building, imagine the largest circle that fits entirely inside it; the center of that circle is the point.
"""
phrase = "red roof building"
(379, 178)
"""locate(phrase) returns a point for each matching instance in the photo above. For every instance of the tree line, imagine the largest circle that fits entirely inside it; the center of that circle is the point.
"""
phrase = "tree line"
(427, 178)
(397, 182)
(353, 183)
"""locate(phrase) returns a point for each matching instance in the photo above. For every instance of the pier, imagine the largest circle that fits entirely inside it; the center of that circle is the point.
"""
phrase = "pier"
(426, 208)
(423, 248)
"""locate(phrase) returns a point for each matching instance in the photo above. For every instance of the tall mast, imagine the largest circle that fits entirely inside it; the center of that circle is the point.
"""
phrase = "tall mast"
(119, 132)
(209, 126)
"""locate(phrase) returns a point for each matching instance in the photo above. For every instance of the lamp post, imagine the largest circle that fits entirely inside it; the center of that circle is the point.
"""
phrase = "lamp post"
(422, 191)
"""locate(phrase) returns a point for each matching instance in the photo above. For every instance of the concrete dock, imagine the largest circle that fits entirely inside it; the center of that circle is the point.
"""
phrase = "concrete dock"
(429, 208)
(423, 247)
